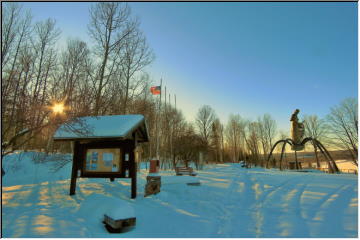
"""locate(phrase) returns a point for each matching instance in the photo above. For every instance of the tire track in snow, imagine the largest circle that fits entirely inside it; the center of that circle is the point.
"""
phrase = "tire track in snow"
(325, 201)
(328, 212)
(262, 222)
(252, 198)
(260, 207)
(292, 223)
(225, 222)
(264, 198)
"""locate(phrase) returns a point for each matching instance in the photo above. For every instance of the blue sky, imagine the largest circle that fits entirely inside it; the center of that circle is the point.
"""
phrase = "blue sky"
(242, 57)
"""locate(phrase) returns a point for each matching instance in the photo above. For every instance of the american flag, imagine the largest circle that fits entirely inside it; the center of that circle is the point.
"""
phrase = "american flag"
(155, 90)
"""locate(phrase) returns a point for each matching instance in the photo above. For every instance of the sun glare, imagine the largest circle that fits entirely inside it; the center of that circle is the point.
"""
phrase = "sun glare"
(58, 108)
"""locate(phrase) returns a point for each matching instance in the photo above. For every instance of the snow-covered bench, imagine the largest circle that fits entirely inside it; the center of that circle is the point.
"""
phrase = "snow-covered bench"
(115, 225)
(117, 214)
(116, 218)
(184, 171)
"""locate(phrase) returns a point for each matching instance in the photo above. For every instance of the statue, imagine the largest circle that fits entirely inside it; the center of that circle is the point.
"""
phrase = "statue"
(297, 143)
(297, 131)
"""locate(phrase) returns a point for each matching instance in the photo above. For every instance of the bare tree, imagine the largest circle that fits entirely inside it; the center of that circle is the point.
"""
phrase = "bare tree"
(178, 127)
(10, 21)
(109, 26)
(252, 142)
(315, 128)
(266, 132)
(235, 137)
(204, 120)
(188, 144)
(46, 34)
(74, 72)
(35, 73)
(32, 63)
(343, 125)
(15, 34)
(136, 55)
(12, 46)
(282, 135)
(217, 140)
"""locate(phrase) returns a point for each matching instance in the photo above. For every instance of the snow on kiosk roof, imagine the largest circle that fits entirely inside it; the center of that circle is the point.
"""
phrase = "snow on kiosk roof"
(104, 127)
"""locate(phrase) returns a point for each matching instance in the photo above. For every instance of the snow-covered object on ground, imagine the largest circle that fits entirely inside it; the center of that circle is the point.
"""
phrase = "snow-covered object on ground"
(96, 205)
(100, 127)
(124, 211)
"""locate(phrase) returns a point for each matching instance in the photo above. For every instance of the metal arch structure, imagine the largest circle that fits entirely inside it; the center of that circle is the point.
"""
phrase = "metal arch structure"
(284, 141)
(332, 164)
(333, 168)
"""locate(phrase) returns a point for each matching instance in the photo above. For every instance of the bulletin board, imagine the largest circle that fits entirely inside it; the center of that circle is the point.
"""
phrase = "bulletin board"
(103, 160)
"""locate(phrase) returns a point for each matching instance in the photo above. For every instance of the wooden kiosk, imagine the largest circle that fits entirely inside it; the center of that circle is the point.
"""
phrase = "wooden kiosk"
(104, 147)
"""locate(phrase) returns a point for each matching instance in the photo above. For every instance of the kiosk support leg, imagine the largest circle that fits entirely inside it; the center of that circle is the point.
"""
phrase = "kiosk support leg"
(133, 181)
(74, 169)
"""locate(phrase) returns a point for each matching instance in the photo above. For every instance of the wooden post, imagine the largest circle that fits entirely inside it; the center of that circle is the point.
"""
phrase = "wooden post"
(133, 166)
(133, 182)
(75, 164)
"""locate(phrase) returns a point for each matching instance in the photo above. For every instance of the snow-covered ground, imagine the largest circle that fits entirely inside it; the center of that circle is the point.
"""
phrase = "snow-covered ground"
(230, 202)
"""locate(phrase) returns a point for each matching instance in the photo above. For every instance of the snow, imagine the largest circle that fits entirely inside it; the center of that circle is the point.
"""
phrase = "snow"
(179, 179)
(100, 126)
(94, 206)
(122, 212)
(230, 202)
(23, 168)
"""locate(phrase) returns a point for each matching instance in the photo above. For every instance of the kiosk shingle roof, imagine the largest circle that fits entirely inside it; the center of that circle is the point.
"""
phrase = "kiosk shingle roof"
(112, 126)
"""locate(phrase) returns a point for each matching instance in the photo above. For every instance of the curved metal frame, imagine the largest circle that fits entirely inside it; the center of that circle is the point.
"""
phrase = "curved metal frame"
(285, 141)
(333, 168)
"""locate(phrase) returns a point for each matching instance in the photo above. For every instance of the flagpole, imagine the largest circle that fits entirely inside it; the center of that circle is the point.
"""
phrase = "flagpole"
(175, 101)
(166, 119)
(165, 105)
(150, 152)
(171, 133)
(157, 132)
